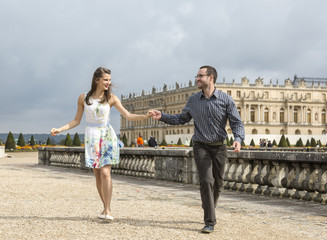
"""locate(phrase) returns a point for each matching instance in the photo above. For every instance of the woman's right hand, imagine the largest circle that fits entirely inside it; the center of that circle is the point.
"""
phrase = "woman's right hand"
(54, 131)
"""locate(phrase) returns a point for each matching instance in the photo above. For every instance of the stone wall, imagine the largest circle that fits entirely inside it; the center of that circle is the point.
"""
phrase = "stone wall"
(277, 172)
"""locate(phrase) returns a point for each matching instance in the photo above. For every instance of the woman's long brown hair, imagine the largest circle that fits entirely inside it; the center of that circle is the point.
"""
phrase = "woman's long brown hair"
(107, 93)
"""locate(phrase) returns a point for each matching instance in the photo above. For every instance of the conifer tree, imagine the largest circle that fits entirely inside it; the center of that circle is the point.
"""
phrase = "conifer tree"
(10, 142)
(191, 142)
(179, 142)
(21, 141)
(49, 142)
(299, 143)
(252, 143)
(307, 143)
(288, 142)
(274, 143)
(282, 142)
(313, 142)
(231, 141)
(1, 142)
(32, 141)
(68, 140)
(124, 140)
(227, 141)
(77, 141)
(164, 143)
(242, 144)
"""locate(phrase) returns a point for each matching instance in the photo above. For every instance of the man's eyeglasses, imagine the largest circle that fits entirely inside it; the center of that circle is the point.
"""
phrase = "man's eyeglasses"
(200, 75)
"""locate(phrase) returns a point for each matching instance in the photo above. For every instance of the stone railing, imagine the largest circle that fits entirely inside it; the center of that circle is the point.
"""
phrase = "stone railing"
(296, 175)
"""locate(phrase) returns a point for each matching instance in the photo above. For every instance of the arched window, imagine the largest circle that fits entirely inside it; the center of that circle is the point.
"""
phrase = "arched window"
(267, 131)
(254, 131)
(309, 132)
(281, 115)
(297, 132)
(309, 116)
(229, 131)
(266, 113)
(323, 116)
(282, 131)
(252, 112)
(182, 131)
(188, 131)
(323, 132)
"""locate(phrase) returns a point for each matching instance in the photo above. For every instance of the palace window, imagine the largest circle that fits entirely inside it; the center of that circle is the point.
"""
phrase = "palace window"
(308, 96)
(238, 94)
(188, 131)
(323, 116)
(297, 132)
(254, 131)
(229, 92)
(266, 95)
(282, 131)
(308, 116)
(281, 115)
(309, 132)
(239, 111)
(295, 115)
(281, 95)
(252, 114)
(266, 114)
(267, 131)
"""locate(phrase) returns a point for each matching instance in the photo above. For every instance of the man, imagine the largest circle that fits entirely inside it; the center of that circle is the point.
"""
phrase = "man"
(152, 142)
(210, 109)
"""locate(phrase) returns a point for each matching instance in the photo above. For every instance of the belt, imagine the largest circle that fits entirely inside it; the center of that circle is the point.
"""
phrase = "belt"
(96, 124)
(215, 143)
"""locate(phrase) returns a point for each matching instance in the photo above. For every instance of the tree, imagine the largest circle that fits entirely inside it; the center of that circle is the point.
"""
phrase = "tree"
(21, 141)
(68, 140)
(164, 143)
(231, 141)
(252, 143)
(124, 140)
(288, 142)
(49, 142)
(1, 142)
(227, 141)
(10, 142)
(313, 142)
(242, 144)
(274, 143)
(179, 142)
(32, 141)
(191, 142)
(299, 143)
(307, 143)
(77, 141)
(282, 142)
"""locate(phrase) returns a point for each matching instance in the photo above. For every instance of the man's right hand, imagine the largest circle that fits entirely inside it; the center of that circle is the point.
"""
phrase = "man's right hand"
(155, 114)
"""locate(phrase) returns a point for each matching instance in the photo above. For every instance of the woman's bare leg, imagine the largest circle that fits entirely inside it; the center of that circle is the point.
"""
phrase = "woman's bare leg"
(98, 181)
(106, 188)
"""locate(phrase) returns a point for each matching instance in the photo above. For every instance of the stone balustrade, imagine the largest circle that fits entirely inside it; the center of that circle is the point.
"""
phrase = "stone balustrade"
(295, 175)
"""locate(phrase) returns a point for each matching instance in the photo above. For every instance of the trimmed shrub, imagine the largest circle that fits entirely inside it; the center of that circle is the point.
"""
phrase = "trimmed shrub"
(308, 143)
(299, 143)
(313, 143)
(77, 141)
(227, 141)
(231, 141)
(21, 140)
(282, 142)
(164, 143)
(191, 143)
(10, 142)
(68, 141)
(32, 141)
(179, 142)
(49, 142)
(124, 140)
(274, 143)
(288, 142)
(242, 144)
(252, 143)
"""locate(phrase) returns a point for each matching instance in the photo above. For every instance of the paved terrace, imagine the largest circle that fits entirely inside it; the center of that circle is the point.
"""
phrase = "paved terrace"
(46, 202)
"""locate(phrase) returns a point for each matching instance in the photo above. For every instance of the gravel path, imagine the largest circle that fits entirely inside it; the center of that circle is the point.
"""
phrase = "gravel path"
(41, 202)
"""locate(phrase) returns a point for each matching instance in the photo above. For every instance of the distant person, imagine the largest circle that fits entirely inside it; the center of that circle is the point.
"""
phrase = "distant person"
(101, 142)
(269, 144)
(152, 142)
(139, 141)
(210, 109)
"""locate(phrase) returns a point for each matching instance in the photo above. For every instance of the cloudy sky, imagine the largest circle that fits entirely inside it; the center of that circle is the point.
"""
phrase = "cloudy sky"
(50, 49)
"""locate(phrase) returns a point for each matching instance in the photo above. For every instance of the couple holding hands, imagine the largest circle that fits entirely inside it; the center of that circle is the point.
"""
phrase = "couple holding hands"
(210, 108)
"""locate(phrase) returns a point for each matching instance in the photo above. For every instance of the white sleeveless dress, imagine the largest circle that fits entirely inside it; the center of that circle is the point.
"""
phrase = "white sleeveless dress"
(101, 142)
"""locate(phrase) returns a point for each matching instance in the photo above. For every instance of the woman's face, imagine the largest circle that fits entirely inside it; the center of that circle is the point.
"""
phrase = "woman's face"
(104, 82)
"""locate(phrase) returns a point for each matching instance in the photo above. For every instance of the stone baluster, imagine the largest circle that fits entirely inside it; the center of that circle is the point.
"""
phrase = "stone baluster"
(297, 182)
(277, 174)
(251, 177)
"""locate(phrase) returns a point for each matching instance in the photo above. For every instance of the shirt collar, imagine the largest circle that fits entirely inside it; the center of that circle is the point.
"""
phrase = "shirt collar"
(215, 94)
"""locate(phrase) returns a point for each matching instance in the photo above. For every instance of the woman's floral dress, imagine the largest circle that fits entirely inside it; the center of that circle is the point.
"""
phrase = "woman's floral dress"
(101, 142)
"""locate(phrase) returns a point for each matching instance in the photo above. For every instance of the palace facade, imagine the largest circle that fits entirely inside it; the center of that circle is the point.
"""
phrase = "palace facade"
(297, 109)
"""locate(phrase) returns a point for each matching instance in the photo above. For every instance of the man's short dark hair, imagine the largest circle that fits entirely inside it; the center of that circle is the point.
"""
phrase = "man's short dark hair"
(211, 70)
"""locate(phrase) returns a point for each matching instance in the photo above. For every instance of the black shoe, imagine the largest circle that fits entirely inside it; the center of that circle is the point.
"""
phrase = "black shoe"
(207, 229)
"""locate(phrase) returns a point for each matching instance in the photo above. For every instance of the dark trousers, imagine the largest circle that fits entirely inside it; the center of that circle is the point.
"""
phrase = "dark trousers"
(210, 162)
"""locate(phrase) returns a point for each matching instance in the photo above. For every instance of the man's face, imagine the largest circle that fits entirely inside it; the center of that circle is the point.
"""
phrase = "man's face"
(203, 80)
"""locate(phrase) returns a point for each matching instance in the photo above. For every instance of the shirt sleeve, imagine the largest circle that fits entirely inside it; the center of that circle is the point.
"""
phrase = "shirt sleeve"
(177, 119)
(235, 122)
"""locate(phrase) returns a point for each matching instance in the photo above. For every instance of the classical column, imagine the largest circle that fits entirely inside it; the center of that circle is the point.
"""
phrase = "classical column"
(259, 108)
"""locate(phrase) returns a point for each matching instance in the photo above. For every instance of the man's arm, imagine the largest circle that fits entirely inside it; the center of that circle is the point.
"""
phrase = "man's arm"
(173, 119)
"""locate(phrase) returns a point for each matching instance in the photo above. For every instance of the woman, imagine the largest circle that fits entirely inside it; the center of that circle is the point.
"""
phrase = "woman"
(101, 143)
